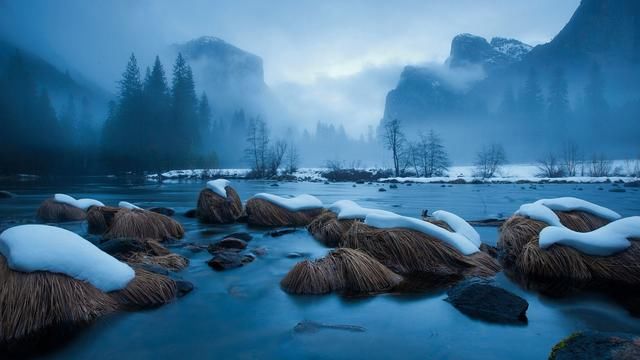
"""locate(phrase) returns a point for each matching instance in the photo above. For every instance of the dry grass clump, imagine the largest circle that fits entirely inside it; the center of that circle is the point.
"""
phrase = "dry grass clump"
(215, 209)
(328, 229)
(264, 213)
(519, 248)
(343, 270)
(413, 253)
(35, 303)
(150, 252)
(146, 290)
(53, 211)
(115, 223)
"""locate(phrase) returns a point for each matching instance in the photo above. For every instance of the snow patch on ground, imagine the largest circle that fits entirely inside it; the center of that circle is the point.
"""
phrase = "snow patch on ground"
(83, 204)
(458, 241)
(219, 186)
(30, 248)
(347, 209)
(297, 203)
(605, 241)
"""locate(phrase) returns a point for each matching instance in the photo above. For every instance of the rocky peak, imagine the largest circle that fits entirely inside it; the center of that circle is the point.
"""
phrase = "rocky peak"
(468, 49)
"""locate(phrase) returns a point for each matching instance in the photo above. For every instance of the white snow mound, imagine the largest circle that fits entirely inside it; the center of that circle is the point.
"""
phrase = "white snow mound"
(604, 241)
(83, 204)
(539, 212)
(458, 225)
(30, 248)
(575, 204)
(459, 242)
(298, 203)
(347, 209)
(128, 205)
(219, 186)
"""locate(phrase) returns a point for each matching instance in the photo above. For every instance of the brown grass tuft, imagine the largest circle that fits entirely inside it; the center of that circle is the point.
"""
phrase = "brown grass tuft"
(173, 262)
(343, 270)
(518, 244)
(214, 209)
(264, 213)
(327, 229)
(53, 211)
(413, 253)
(146, 290)
(115, 223)
(38, 302)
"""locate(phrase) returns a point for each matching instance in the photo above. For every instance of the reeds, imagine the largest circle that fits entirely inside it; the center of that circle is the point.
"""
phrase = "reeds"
(53, 211)
(215, 209)
(264, 213)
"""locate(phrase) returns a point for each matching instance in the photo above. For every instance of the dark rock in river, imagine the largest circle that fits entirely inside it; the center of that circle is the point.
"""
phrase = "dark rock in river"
(228, 243)
(589, 345)
(225, 260)
(121, 246)
(482, 300)
(617, 190)
(274, 185)
(6, 194)
(382, 189)
(281, 232)
(163, 210)
(393, 186)
(633, 184)
(184, 287)
(191, 214)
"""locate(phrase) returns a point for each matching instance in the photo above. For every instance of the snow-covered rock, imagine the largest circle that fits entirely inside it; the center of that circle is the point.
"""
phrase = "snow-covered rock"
(457, 241)
(30, 248)
(219, 186)
(83, 204)
(458, 225)
(604, 241)
(128, 205)
(298, 203)
(347, 209)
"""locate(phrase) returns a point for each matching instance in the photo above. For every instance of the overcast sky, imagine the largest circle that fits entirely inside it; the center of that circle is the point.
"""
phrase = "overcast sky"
(314, 48)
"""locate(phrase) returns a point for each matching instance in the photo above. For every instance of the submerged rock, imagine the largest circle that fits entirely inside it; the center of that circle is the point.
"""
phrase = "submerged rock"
(281, 232)
(184, 287)
(163, 210)
(241, 235)
(226, 260)
(308, 326)
(382, 189)
(191, 214)
(6, 195)
(393, 186)
(597, 345)
(482, 300)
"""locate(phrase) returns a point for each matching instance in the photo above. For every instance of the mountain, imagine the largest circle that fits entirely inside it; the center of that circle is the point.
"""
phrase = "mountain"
(591, 68)
(468, 49)
(60, 84)
(232, 78)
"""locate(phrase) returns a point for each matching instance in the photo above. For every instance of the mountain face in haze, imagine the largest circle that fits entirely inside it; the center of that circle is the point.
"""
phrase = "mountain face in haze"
(584, 81)
(232, 78)
(467, 49)
(59, 84)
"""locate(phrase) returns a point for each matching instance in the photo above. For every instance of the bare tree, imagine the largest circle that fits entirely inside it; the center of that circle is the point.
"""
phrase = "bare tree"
(489, 160)
(632, 167)
(394, 140)
(600, 166)
(571, 159)
(276, 154)
(334, 165)
(550, 166)
(435, 161)
(257, 146)
(415, 156)
(292, 159)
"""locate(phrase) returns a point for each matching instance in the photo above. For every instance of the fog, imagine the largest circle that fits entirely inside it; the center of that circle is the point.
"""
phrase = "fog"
(329, 65)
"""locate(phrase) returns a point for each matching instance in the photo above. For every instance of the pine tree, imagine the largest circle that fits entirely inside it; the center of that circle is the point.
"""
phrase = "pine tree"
(184, 122)
(559, 112)
(531, 99)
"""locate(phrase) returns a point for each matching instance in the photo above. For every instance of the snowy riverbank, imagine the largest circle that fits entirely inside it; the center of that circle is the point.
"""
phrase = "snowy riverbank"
(516, 173)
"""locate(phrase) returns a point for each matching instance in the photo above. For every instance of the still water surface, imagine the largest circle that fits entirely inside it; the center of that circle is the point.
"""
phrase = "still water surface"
(243, 313)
